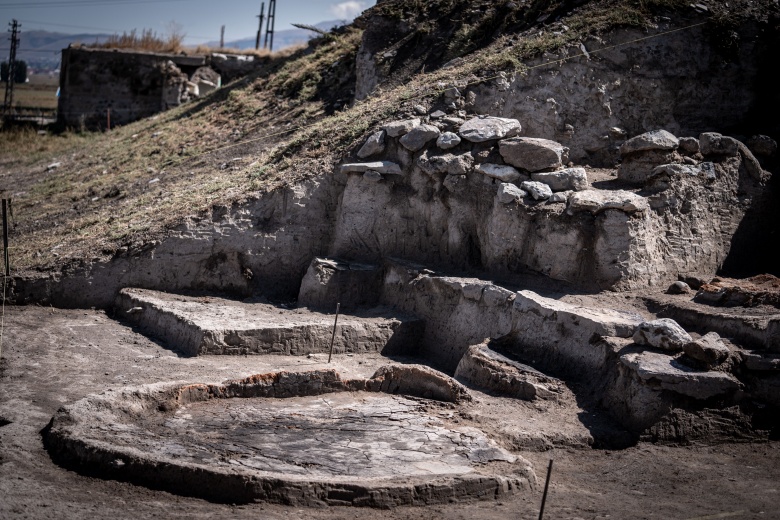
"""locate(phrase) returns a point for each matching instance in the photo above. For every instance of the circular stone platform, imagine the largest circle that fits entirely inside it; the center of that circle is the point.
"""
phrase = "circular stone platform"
(330, 445)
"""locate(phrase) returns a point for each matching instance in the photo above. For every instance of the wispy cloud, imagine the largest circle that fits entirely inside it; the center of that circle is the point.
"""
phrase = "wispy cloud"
(347, 10)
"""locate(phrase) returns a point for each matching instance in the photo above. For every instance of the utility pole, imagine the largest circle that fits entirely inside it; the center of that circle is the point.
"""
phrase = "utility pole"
(222, 37)
(269, 27)
(260, 26)
(9, 86)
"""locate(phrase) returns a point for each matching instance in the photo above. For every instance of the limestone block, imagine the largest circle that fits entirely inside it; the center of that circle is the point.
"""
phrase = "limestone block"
(604, 322)
(661, 370)
(485, 128)
(561, 196)
(537, 190)
(418, 136)
(384, 167)
(596, 201)
(499, 171)
(532, 154)
(708, 349)
(375, 144)
(448, 140)
(399, 128)
(655, 140)
(663, 333)
(508, 193)
(574, 179)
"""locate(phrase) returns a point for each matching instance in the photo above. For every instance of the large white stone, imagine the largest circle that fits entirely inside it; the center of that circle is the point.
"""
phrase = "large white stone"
(499, 171)
(666, 372)
(419, 136)
(374, 144)
(385, 167)
(575, 179)
(596, 201)
(537, 190)
(508, 193)
(655, 140)
(485, 128)
(604, 322)
(448, 140)
(399, 128)
(531, 154)
(663, 333)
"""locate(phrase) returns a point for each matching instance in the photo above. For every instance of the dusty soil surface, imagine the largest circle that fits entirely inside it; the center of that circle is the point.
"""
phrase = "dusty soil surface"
(761, 290)
(53, 357)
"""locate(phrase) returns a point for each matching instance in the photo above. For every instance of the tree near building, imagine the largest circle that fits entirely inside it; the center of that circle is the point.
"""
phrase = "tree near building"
(20, 72)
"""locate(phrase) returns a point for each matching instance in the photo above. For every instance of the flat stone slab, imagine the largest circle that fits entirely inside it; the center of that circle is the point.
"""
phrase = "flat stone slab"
(211, 325)
(601, 321)
(596, 201)
(326, 442)
(384, 167)
(666, 373)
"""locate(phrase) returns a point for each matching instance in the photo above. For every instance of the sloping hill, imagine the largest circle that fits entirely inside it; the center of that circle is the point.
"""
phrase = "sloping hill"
(124, 190)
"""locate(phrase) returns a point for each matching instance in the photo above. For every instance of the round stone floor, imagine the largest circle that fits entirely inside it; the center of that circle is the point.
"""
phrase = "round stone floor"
(340, 447)
(333, 435)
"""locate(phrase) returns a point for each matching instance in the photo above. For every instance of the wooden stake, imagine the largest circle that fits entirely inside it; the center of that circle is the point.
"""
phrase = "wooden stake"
(333, 337)
(108, 118)
(5, 237)
(546, 487)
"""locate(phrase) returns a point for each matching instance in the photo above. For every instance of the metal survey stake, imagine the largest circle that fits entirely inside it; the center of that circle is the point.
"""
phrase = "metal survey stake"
(546, 487)
(332, 338)
(5, 237)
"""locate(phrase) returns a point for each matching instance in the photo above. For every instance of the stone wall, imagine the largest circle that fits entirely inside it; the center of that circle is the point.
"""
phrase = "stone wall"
(134, 85)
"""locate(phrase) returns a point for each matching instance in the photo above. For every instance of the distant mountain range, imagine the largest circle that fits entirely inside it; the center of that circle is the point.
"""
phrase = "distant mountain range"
(41, 49)
(282, 39)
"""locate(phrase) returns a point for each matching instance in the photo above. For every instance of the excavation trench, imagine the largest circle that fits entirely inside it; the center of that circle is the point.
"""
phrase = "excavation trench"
(389, 239)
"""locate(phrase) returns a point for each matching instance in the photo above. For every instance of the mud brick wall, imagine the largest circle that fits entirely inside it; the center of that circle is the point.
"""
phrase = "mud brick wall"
(131, 84)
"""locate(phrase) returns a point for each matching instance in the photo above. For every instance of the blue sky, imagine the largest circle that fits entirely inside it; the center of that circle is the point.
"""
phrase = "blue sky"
(200, 20)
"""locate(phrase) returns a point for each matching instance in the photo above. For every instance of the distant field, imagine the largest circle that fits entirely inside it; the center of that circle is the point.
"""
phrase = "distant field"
(39, 92)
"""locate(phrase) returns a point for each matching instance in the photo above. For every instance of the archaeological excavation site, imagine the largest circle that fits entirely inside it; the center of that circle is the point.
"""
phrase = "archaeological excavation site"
(457, 259)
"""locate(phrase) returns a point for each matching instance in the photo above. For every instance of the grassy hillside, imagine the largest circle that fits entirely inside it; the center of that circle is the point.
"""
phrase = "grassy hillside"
(127, 187)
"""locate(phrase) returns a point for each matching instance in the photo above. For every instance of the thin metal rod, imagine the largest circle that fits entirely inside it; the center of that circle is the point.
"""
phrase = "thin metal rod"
(5, 237)
(333, 337)
(546, 487)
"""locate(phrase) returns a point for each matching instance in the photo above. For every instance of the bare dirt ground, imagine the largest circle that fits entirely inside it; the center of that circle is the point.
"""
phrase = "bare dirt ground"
(52, 357)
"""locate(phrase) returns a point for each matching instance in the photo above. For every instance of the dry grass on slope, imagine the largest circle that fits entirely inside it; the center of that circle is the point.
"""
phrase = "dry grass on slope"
(126, 188)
